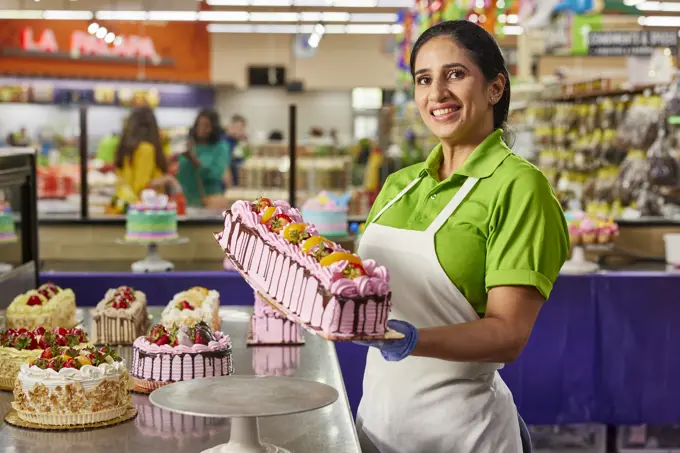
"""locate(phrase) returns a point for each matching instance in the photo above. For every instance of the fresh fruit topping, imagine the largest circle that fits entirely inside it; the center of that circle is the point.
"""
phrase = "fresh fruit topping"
(313, 241)
(164, 339)
(278, 223)
(82, 360)
(80, 333)
(21, 331)
(70, 363)
(61, 340)
(340, 256)
(59, 331)
(202, 334)
(120, 304)
(24, 341)
(34, 300)
(155, 332)
(261, 203)
(46, 293)
(184, 305)
(295, 233)
(39, 330)
(353, 270)
(267, 214)
(50, 352)
(200, 289)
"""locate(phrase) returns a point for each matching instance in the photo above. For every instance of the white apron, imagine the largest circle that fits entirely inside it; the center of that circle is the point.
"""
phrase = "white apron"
(424, 405)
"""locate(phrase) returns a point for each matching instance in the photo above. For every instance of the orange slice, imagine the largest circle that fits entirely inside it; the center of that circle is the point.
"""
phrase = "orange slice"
(267, 214)
(313, 242)
(293, 232)
(340, 256)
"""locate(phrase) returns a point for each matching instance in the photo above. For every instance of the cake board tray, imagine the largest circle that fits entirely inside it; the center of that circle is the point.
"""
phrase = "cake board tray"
(244, 399)
(152, 262)
(390, 335)
(251, 342)
(12, 418)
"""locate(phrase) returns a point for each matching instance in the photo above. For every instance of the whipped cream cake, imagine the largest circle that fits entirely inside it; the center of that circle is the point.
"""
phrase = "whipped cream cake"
(48, 306)
(192, 306)
(120, 317)
(18, 347)
(77, 387)
(168, 355)
(314, 280)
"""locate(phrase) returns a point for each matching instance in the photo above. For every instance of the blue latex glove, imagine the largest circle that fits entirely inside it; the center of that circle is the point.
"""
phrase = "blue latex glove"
(396, 350)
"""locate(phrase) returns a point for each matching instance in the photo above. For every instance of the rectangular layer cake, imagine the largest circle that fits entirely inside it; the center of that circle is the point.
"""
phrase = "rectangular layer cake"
(120, 317)
(270, 326)
(313, 280)
(49, 306)
(192, 306)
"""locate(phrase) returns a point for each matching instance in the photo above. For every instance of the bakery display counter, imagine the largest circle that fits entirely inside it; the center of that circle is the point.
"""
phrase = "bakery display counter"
(330, 430)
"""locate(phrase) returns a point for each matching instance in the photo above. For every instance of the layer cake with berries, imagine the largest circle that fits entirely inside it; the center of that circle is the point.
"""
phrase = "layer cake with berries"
(20, 346)
(120, 317)
(313, 280)
(270, 326)
(180, 353)
(49, 306)
(192, 306)
(78, 387)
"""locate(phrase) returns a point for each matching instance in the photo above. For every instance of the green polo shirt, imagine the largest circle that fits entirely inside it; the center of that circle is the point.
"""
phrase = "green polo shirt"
(509, 231)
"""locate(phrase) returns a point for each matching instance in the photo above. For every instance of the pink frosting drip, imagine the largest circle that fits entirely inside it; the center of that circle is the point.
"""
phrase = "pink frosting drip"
(376, 281)
(223, 342)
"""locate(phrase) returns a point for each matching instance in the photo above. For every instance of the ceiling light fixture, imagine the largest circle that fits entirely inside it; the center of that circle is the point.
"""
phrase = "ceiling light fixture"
(67, 15)
(659, 6)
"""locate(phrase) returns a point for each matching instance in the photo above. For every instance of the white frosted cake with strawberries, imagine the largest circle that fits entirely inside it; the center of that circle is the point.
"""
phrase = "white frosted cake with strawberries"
(192, 306)
(314, 281)
(20, 346)
(49, 306)
(180, 353)
(270, 326)
(120, 317)
(78, 387)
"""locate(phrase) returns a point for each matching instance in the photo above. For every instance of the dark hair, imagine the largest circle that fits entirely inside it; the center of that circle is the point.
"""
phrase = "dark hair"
(141, 126)
(484, 51)
(276, 136)
(216, 130)
(238, 119)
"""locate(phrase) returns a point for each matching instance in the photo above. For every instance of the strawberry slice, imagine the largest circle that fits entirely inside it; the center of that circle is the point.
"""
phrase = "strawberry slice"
(278, 223)
(261, 203)
(34, 300)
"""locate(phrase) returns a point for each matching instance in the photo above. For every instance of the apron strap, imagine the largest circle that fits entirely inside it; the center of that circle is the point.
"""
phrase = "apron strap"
(449, 209)
(395, 199)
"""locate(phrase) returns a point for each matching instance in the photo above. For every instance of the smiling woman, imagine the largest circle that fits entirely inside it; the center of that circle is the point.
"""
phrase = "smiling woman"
(474, 239)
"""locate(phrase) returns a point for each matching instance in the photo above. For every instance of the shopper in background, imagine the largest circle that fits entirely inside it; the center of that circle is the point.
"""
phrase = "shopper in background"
(236, 137)
(106, 148)
(204, 169)
(139, 159)
(474, 239)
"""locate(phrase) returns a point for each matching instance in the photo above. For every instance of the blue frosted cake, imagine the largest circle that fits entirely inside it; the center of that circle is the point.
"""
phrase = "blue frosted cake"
(328, 213)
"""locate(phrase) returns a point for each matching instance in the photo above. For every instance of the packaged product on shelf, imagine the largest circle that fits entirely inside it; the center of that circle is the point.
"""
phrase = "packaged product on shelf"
(632, 177)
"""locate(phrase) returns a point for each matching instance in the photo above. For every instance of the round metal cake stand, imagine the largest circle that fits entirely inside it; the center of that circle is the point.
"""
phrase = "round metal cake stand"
(153, 262)
(244, 399)
(578, 264)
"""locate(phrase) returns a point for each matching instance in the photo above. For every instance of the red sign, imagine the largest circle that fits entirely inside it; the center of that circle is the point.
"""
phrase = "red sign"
(83, 43)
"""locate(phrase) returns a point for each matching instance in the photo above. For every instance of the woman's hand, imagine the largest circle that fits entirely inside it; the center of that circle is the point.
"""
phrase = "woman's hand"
(396, 350)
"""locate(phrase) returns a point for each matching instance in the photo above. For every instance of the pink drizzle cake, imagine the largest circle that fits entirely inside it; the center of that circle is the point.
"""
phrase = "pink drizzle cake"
(329, 290)
(269, 326)
(165, 355)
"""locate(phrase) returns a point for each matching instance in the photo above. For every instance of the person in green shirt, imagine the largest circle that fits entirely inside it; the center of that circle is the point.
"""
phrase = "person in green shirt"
(473, 239)
(204, 169)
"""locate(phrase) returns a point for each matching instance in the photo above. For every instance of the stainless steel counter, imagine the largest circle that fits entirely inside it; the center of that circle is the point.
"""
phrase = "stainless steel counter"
(328, 430)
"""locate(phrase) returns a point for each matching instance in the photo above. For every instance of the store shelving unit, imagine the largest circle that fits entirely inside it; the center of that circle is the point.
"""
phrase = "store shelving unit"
(18, 171)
